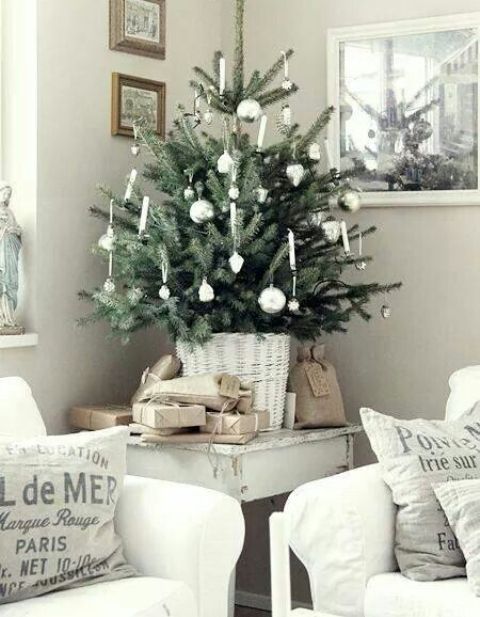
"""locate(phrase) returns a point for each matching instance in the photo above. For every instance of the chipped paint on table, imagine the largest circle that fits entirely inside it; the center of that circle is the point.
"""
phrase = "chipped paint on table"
(272, 464)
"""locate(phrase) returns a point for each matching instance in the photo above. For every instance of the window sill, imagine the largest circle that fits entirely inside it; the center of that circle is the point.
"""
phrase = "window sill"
(30, 339)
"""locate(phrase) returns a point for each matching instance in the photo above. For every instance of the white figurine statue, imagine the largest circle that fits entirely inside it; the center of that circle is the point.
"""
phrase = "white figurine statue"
(10, 245)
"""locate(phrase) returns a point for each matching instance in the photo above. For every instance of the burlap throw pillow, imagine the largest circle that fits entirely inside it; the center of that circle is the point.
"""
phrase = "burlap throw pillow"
(461, 503)
(57, 502)
(413, 455)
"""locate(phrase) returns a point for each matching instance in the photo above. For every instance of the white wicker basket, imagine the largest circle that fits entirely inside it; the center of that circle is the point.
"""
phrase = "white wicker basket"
(263, 361)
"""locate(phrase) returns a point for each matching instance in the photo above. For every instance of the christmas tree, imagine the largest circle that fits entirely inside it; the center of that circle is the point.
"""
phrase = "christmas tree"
(245, 238)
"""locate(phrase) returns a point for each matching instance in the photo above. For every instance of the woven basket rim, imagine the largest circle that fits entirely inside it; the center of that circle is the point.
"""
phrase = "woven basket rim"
(257, 337)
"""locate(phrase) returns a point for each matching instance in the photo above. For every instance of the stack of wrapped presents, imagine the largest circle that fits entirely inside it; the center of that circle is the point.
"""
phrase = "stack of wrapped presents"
(209, 408)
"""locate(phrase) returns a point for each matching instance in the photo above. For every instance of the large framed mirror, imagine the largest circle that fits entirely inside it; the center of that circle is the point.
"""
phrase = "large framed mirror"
(406, 94)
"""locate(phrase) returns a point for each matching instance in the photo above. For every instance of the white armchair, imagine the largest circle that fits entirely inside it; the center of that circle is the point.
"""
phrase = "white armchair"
(342, 529)
(185, 541)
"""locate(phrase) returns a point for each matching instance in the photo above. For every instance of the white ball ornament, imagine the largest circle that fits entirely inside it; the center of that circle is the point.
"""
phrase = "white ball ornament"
(249, 110)
(206, 293)
(135, 149)
(272, 300)
(287, 85)
(350, 201)
(201, 211)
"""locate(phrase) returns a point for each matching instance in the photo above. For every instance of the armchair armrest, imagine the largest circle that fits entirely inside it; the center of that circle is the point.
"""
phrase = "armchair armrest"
(342, 528)
(183, 533)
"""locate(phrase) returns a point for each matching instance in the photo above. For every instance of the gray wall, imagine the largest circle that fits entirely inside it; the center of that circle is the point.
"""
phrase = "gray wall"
(75, 152)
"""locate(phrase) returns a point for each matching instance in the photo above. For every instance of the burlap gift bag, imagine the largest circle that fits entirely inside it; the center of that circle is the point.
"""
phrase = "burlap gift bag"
(319, 400)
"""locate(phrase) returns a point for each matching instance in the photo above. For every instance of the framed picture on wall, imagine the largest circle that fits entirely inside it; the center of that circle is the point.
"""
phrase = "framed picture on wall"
(138, 27)
(407, 121)
(137, 100)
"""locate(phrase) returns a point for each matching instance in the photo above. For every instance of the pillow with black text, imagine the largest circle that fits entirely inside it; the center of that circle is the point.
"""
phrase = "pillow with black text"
(414, 454)
(461, 503)
(57, 502)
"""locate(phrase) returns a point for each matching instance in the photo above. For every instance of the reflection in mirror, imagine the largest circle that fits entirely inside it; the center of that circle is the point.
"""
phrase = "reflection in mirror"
(409, 111)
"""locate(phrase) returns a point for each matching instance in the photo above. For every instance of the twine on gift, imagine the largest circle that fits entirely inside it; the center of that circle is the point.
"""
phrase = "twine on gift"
(211, 448)
(160, 398)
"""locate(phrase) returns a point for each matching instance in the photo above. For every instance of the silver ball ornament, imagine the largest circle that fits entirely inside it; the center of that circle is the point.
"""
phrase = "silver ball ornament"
(287, 85)
(201, 211)
(350, 201)
(272, 300)
(249, 110)
(135, 149)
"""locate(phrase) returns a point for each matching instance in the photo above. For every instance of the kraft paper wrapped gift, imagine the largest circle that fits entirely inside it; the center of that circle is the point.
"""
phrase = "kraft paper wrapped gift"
(201, 438)
(236, 424)
(164, 415)
(166, 368)
(95, 418)
(217, 391)
(141, 429)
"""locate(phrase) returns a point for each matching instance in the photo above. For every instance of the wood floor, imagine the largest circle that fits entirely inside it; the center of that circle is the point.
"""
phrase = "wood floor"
(240, 611)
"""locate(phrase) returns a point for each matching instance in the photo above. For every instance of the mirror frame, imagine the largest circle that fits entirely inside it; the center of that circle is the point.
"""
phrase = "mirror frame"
(336, 36)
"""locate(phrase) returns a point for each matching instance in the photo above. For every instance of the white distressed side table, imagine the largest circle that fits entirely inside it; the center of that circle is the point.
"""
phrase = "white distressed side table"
(273, 464)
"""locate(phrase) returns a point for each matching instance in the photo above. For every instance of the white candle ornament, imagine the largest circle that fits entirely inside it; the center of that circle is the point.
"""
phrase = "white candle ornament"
(345, 239)
(262, 131)
(131, 182)
(286, 84)
(164, 292)
(292, 252)
(144, 215)
(223, 76)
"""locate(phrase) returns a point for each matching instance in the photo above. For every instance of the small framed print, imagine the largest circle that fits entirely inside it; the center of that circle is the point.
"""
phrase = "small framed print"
(137, 100)
(138, 27)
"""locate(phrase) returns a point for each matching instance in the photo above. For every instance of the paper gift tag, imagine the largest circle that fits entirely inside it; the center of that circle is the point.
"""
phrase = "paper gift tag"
(230, 386)
(317, 379)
